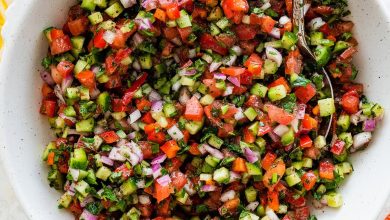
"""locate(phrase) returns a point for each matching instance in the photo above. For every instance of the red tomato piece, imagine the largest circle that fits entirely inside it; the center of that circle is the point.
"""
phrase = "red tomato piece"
(213, 90)
(305, 141)
(109, 137)
(232, 71)
(350, 102)
(78, 26)
(87, 79)
(179, 179)
(279, 115)
(309, 179)
(60, 45)
(170, 148)
(281, 81)
(194, 110)
(172, 11)
(305, 93)
(208, 42)
(245, 31)
(48, 108)
(98, 40)
(65, 68)
(326, 170)
(338, 147)
(302, 213)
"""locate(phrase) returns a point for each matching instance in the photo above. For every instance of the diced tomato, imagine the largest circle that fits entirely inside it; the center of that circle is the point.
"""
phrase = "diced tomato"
(47, 91)
(143, 104)
(227, 40)
(194, 149)
(109, 137)
(232, 71)
(213, 90)
(56, 75)
(245, 31)
(208, 42)
(146, 149)
(125, 170)
(353, 86)
(289, 7)
(56, 33)
(309, 179)
(254, 64)
(305, 93)
(325, 29)
(309, 123)
(229, 113)
(278, 168)
(267, 24)
(151, 128)
(239, 165)
(48, 108)
(286, 217)
(350, 102)
(323, 10)
(172, 11)
(98, 40)
(338, 147)
(199, 12)
(194, 110)
(167, 50)
(326, 170)
(225, 130)
(263, 130)
(75, 208)
(129, 93)
(158, 137)
(170, 148)
(239, 90)
(348, 53)
(163, 209)
(160, 15)
(302, 213)
(248, 136)
(178, 180)
(305, 141)
(86, 78)
(170, 33)
(117, 106)
(268, 159)
(65, 68)
(78, 26)
(246, 78)
(279, 115)
(280, 81)
(161, 192)
(184, 33)
(232, 7)
(293, 62)
(60, 45)
(273, 200)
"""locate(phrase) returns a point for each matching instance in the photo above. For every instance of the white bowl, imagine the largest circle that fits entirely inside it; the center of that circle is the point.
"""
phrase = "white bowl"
(24, 132)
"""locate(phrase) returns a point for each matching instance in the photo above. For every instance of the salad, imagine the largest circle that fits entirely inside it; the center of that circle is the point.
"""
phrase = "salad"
(206, 109)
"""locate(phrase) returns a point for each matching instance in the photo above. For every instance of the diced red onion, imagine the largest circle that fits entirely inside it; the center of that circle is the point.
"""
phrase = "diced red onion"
(176, 86)
(63, 116)
(71, 193)
(75, 173)
(275, 32)
(58, 93)
(252, 206)
(250, 155)
(228, 91)
(178, 42)
(197, 95)
(202, 149)
(136, 149)
(274, 55)
(128, 3)
(369, 125)
(273, 136)
(208, 188)
(219, 76)
(121, 142)
(134, 116)
(107, 161)
(47, 78)
(143, 23)
(154, 96)
(175, 133)
(140, 184)
(214, 152)
(187, 64)
(184, 96)
(134, 159)
(87, 200)
(159, 159)
(192, 53)
(149, 4)
(137, 40)
(164, 180)
(234, 176)
(190, 72)
(167, 2)
(147, 171)
(280, 130)
(144, 199)
(87, 215)
(66, 83)
(316, 23)
(136, 65)
(205, 177)
(132, 135)
(214, 66)
(94, 93)
(301, 111)
(229, 61)
(284, 20)
(228, 195)
(317, 204)
(237, 50)
(271, 214)
(156, 168)
(157, 106)
(295, 125)
(189, 188)
(265, 6)
(239, 114)
(234, 80)
(73, 132)
(361, 140)
(109, 36)
(115, 154)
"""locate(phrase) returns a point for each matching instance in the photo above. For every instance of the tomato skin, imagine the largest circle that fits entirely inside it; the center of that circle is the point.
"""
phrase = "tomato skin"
(338, 147)
(232, 71)
(308, 123)
(48, 108)
(246, 78)
(273, 200)
(254, 64)
(305, 93)
(184, 33)
(126, 172)
(170, 148)
(267, 24)
(293, 62)
(194, 110)
(350, 102)
(178, 180)
(60, 45)
(87, 79)
(279, 115)
(172, 11)
(146, 149)
(248, 136)
(268, 159)
(326, 170)
(309, 180)
(98, 40)
(305, 141)
(245, 31)
(65, 68)
(208, 42)
(109, 137)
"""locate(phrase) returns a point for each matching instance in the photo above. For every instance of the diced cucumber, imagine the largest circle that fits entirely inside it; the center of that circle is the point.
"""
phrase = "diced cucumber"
(292, 179)
(223, 23)
(254, 128)
(104, 101)
(322, 55)
(169, 110)
(103, 173)
(206, 168)
(82, 187)
(214, 30)
(288, 40)
(250, 113)
(378, 111)
(79, 159)
(145, 61)
(95, 18)
(80, 66)
(334, 200)
(206, 100)
(277, 93)
(69, 111)
(215, 141)
(307, 162)
(320, 142)
(253, 169)
(221, 175)
(128, 187)
(270, 67)
(250, 194)
(86, 125)
(347, 138)
(91, 178)
(340, 46)
(194, 127)
(171, 23)
(47, 33)
(184, 20)
(77, 45)
(107, 25)
(224, 109)
(327, 107)
(49, 147)
(275, 44)
(186, 81)
(84, 94)
(259, 90)
(288, 138)
(65, 200)
(182, 196)
(212, 161)
(316, 37)
(101, 3)
(114, 10)
(72, 93)
(343, 122)
(88, 5)
(366, 107)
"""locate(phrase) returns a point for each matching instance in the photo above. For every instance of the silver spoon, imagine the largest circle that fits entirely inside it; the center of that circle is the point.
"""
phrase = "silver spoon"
(299, 22)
